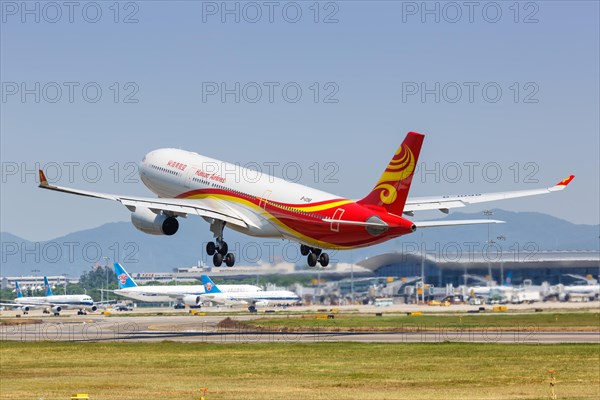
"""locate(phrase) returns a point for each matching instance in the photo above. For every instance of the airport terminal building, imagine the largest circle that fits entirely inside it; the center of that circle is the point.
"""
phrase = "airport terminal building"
(540, 267)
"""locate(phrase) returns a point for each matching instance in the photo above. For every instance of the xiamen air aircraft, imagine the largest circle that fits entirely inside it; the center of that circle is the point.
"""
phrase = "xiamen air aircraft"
(260, 205)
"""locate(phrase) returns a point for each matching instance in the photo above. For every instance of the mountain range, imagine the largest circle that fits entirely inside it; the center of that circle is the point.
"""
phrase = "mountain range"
(72, 254)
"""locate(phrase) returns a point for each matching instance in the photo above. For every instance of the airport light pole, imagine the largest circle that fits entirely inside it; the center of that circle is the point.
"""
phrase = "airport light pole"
(352, 282)
(106, 273)
(64, 275)
(501, 238)
(34, 272)
(488, 214)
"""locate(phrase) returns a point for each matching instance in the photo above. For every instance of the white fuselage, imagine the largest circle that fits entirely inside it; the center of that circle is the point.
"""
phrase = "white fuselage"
(592, 290)
(263, 297)
(170, 173)
(165, 294)
(69, 301)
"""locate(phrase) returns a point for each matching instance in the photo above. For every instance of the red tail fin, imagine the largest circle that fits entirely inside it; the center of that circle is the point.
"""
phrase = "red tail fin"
(392, 188)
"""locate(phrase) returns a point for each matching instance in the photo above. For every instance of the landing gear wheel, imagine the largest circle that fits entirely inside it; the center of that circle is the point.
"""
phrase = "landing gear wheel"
(312, 259)
(79, 313)
(223, 248)
(217, 259)
(229, 259)
(304, 249)
(317, 251)
(324, 259)
(211, 248)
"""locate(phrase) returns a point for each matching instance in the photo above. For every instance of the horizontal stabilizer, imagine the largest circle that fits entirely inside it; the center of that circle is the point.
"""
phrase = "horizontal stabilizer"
(433, 224)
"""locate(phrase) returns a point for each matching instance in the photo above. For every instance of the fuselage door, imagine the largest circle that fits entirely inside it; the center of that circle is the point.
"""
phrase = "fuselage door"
(337, 215)
(188, 176)
(264, 200)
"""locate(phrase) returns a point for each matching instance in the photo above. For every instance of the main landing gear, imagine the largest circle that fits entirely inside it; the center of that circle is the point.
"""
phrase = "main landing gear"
(314, 255)
(219, 249)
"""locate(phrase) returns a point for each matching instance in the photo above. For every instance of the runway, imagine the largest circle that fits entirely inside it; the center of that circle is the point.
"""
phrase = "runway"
(206, 329)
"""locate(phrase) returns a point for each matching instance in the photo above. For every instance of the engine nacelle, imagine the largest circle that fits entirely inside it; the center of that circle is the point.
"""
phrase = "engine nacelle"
(155, 224)
(56, 309)
(93, 308)
(191, 300)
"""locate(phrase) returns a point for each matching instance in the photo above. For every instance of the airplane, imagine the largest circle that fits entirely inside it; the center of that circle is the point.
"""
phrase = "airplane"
(56, 303)
(261, 205)
(583, 287)
(490, 286)
(188, 295)
(252, 299)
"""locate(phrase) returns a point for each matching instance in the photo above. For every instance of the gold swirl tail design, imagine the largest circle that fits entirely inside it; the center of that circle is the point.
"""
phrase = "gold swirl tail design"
(391, 190)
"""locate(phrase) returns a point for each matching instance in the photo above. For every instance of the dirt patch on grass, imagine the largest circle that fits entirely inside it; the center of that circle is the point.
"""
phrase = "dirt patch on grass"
(229, 323)
(20, 321)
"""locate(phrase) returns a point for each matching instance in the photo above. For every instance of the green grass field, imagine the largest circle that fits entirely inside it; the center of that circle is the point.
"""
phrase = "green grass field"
(525, 322)
(167, 370)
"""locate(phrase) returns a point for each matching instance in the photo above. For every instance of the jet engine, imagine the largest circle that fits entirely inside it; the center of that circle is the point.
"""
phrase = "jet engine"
(191, 300)
(56, 309)
(155, 224)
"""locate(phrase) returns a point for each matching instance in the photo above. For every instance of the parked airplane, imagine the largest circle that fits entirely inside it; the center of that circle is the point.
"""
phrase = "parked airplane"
(583, 288)
(260, 205)
(488, 287)
(252, 299)
(56, 303)
(184, 294)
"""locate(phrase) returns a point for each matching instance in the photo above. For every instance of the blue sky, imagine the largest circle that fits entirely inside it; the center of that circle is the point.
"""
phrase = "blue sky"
(370, 61)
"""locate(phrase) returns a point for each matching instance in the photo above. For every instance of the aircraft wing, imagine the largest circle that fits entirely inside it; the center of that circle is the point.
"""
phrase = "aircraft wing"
(433, 224)
(223, 299)
(208, 207)
(31, 305)
(174, 296)
(444, 203)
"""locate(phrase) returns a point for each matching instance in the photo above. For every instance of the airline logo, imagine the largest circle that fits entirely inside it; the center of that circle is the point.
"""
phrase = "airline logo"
(209, 286)
(122, 278)
(401, 167)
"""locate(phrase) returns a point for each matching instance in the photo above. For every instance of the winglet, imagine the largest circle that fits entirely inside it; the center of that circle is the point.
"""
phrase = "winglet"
(562, 184)
(43, 180)
(566, 181)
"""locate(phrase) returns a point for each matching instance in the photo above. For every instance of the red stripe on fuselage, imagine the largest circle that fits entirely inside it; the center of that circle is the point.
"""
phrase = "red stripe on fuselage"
(310, 224)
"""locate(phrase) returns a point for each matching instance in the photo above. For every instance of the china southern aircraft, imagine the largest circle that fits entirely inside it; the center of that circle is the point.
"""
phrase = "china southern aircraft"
(260, 205)
(188, 295)
(214, 294)
(56, 303)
